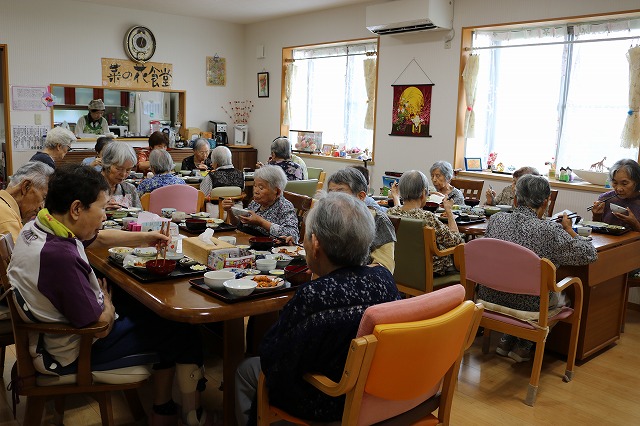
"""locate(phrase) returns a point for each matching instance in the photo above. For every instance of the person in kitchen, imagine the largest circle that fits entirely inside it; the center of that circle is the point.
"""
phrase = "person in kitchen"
(93, 123)
(157, 140)
(200, 158)
(56, 145)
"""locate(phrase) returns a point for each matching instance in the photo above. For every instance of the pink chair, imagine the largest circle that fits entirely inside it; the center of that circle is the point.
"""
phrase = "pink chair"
(509, 267)
(184, 198)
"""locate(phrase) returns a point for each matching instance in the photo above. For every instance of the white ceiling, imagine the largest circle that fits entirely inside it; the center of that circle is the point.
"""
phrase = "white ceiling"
(236, 11)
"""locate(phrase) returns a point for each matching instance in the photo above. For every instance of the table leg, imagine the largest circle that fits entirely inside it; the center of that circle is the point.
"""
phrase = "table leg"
(233, 354)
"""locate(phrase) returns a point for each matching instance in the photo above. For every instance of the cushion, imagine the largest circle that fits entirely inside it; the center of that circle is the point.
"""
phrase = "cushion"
(133, 374)
(517, 314)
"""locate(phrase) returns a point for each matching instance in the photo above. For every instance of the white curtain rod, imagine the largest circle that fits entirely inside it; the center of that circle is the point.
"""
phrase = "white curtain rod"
(552, 43)
(374, 53)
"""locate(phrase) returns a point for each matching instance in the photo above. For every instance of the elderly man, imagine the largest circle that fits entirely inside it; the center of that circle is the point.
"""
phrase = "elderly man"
(24, 197)
(316, 326)
(56, 146)
(351, 181)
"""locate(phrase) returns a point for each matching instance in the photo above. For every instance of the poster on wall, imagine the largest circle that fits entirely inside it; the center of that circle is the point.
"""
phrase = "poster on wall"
(28, 138)
(216, 71)
(149, 75)
(28, 98)
(411, 110)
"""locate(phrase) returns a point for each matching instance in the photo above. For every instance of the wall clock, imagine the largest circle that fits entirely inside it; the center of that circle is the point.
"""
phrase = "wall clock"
(139, 43)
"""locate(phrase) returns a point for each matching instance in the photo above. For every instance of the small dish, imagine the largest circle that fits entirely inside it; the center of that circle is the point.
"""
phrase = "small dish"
(136, 262)
(277, 272)
(267, 282)
(145, 251)
(265, 265)
(119, 253)
(216, 279)
(198, 267)
(243, 246)
(281, 259)
(293, 251)
(240, 287)
(200, 215)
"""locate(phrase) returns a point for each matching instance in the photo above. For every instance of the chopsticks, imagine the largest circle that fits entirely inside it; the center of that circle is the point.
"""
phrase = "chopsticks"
(602, 201)
(569, 216)
(162, 249)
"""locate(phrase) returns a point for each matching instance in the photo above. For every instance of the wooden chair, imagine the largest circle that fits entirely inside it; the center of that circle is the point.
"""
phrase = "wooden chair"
(183, 198)
(38, 387)
(314, 172)
(321, 179)
(552, 202)
(414, 251)
(221, 192)
(395, 221)
(305, 187)
(302, 204)
(471, 188)
(632, 282)
(383, 379)
(521, 272)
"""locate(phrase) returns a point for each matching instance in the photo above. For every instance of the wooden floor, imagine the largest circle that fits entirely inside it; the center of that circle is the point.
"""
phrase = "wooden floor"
(605, 390)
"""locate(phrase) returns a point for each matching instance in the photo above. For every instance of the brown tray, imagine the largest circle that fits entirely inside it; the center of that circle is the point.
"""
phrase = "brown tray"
(144, 276)
(610, 231)
(198, 284)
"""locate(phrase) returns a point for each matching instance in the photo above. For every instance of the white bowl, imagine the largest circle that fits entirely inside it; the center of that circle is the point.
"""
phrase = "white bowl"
(504, 207)
(584, 231)
(240, 287)
(237, 212)
(281, 259)
(265, 265)
(119, 253)
(145, 251)
(617, 209)
(216, 279)
(595, 178)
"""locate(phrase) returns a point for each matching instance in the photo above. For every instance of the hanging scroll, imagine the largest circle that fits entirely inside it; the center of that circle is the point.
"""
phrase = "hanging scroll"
(411, 110)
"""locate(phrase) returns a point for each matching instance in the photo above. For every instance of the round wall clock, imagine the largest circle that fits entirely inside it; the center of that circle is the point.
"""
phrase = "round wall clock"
(139, 44)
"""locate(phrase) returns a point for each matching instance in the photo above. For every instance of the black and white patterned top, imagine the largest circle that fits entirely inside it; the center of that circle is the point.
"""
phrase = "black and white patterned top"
(458, 197)
(313, 334)
(292, 170)
(545, 238)
(222, 176)
(282, 216)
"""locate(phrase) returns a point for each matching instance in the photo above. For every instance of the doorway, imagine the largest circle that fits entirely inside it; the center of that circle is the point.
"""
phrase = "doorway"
(5, 124)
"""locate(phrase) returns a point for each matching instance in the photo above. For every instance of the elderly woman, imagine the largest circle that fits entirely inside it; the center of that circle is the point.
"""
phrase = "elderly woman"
(413, 189)
(117, 162)
(351, 181)
(96, 162)
(548, 239)
(200, 158)
(281, 156)
(441, 175)
(223, 173)
(157, 140)
(625, 180)
(94, 122)
(316, 326)
(162, 167)
(508, 193)
(56, 145)
(269, 212)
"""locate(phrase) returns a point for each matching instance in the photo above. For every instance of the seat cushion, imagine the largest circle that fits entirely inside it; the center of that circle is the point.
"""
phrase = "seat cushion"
(517, 314)
(133, 374)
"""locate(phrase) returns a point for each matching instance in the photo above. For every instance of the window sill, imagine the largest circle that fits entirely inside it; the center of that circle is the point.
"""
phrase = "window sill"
(556, 184)
(329, 158)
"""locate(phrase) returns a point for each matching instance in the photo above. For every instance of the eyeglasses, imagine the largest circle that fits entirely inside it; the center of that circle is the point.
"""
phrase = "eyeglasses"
(97, 111)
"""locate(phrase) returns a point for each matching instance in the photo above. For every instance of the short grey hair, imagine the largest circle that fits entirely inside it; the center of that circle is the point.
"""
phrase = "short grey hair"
(412, 185)
(526, 170)
(630, 166)
(339, 220)
(221, 156)
(59, 136)
(273, 175)
(351, 177)
(281, 147)
(116, 154)
(160, 161)
(532, 190)
(200, 142)
(35, 171)
(445, 168)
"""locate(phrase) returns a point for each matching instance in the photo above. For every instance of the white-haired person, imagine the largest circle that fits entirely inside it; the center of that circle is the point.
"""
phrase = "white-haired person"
(223, 173)
(351, 181)
(315, 327)
(162, 168)
(94, 122)
(118, 159)
(270, 214)
(56, 145)
(281, 157)
(441, 175)
(200, 159)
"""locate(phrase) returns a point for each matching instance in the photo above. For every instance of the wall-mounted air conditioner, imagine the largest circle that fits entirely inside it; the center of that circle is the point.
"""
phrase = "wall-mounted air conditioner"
(402, 16)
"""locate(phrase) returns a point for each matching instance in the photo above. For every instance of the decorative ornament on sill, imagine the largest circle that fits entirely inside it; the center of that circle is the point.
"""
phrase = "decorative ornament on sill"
(492, 160)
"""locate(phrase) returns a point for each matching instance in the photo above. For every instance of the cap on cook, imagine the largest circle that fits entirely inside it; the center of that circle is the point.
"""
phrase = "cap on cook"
(96, 104)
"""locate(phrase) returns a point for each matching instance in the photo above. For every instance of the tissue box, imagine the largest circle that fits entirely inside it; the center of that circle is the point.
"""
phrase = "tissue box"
(208, 254)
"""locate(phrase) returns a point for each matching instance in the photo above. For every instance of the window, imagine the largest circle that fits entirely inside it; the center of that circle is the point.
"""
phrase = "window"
(330, 90)
(558, 91)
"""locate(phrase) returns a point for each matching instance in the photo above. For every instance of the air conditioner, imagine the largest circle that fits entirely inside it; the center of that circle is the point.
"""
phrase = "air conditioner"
(402, 16)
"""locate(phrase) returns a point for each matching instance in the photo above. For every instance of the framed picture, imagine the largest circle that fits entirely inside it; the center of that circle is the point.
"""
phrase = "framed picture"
(473, 164)
(327, 148)
(263, 84)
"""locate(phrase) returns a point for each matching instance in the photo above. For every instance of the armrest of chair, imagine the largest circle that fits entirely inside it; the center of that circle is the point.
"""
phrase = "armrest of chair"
(350, 374)
(433, 247)
(61, 328)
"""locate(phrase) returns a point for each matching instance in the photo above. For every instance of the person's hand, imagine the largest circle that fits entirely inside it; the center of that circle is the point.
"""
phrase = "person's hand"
(96, 162)
(252, 219)
(447, 204)
(259, 164)
(395, 190)
(490, 194)
(629, 219)
(104, 286)
(226, 204)
(598, 208)
(154, 239)
(567, 225)
(202, 166)
(112, 204)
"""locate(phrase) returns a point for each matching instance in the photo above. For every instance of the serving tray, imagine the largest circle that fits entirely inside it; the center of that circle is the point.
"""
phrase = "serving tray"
(610, 231)
(145, 276)
(222, 227)
(225, 296)
(459, 221)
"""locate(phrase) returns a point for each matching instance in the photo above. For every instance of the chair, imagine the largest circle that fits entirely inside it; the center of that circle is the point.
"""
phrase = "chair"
(632, 282)
(183, 198)
(25, 380)
(302, 204)
(414, 251)
(552, 202)
(233, 192)
(384, 378)
(314, 172)
(521, 271)
(305, 187)
(321, 179)
(470, 188)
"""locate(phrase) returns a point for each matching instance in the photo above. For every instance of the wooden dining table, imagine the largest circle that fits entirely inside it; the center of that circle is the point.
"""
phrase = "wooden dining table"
(176, 300)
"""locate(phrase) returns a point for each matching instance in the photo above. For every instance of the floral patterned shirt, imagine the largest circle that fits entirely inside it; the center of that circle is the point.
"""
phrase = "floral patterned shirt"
(445, 237)
(291, 169)
(159, 181)
(282, 216)
(505, 198)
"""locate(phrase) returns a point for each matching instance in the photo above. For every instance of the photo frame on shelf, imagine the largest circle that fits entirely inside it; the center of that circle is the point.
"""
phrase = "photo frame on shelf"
(263, 84)
(327, 148)
(473, 164)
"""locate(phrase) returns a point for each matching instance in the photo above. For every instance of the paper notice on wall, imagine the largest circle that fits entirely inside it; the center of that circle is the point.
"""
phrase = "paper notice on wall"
(28, 138)
(26, 98)
(152, 109)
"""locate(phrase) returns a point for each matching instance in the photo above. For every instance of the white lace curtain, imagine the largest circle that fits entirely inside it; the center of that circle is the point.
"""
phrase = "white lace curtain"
(289, 71)
(631, 132)
(370, 84)
(470, 78)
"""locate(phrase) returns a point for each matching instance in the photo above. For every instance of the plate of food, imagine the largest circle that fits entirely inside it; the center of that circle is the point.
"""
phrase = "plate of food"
(267, 282)
(605, 228)
(200, 215)
(135, 262)
(145, 251)
(293, 251)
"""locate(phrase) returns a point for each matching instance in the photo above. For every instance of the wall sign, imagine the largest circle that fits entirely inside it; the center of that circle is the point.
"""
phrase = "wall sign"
(150, 75)
(28, 98)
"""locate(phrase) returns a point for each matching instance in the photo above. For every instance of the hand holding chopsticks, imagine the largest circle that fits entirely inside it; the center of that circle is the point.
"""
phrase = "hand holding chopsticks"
(162, 247)
(569, 216)
(602, 201)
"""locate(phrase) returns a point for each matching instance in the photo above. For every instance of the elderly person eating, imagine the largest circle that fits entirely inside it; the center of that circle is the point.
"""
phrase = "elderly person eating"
(625, 180)
(117, 162)
(413, 189)
(281, 157)
(441, 174)
(557, 242)
(56, 145)
(200, 158)
(508, 193)
(316, 326)
(96, 162)
(162, 167)
(157, 140)
(351, 181)
(269, 213)
(223, 173)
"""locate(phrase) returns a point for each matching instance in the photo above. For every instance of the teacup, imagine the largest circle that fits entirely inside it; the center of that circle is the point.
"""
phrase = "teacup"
(583, 231)
(167, 212)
